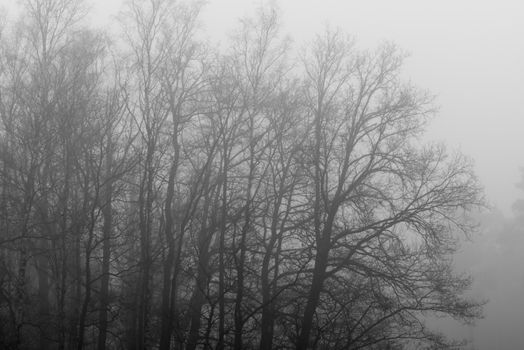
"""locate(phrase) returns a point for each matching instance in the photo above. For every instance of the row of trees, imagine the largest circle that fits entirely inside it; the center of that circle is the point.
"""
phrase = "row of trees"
(158, 193)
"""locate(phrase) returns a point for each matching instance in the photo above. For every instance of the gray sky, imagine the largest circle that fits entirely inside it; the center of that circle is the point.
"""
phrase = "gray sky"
(469, 53)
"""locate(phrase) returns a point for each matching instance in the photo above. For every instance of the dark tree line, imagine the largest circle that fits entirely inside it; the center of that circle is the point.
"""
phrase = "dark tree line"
(159, 193)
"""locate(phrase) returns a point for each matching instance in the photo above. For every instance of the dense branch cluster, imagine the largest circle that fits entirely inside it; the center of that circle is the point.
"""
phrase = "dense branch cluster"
(158, 193)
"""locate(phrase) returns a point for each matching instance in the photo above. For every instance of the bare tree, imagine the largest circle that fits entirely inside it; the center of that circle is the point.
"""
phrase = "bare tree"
(146, 107)
(173, 195)
(259, 59)
(372, 188)
(282, 213)
(183, 80)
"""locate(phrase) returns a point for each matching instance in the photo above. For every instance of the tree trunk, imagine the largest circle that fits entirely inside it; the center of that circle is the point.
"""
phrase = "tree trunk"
(43, 297)
(167, 317)
(106, 249)
(145, 208)
(313, 296)
(268, 308)
(63, 251)
(198, 297)
(267, 322)
(221, 252)
(266, 331)
(239, 320)
(29, 187)
(87, 290)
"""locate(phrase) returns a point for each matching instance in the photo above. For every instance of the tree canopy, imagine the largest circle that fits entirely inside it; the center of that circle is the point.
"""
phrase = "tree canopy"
(159, 193)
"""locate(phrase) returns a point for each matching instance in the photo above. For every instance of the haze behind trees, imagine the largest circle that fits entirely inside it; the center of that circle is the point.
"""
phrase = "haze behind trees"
(157, 193)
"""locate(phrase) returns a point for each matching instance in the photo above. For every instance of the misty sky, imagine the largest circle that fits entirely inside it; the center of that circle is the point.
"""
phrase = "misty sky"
(470, 54)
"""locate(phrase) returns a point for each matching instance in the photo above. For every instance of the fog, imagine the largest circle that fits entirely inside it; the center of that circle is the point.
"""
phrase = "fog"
(470, 55)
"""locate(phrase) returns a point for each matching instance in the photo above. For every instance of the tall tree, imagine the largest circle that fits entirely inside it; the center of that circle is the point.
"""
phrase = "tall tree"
(259, 59)
(158, 192)
(143, 30)
(182, 80)
(373, 190)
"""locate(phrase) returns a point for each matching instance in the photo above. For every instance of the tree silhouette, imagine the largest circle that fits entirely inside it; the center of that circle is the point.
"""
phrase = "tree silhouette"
(160, 193)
